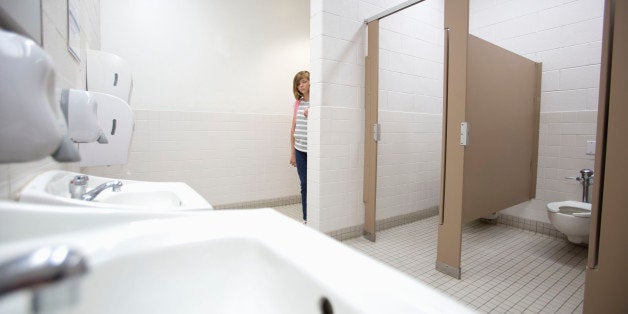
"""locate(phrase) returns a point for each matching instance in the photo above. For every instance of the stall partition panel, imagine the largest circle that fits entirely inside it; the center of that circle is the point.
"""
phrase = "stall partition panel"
(370, 120)
(503, 103)
(606, 284)
(452, 164)
(490, 125)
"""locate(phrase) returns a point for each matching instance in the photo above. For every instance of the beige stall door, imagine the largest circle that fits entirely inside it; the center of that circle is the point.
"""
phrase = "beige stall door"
(496, 93)
(500, 158)
(606, 284)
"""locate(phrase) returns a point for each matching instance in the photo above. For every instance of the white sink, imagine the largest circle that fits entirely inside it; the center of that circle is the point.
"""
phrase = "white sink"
(52, 188)
(245, 261)
(152, 199)
(21, 221)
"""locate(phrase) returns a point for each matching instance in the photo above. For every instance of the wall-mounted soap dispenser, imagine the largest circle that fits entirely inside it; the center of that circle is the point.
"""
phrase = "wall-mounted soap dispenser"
(31, 124)
(107, 73)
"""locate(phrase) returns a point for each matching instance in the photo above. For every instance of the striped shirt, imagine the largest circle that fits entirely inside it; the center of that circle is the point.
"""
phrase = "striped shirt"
(300, 129)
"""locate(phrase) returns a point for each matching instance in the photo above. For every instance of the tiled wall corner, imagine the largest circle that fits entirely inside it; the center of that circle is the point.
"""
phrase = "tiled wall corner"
(341, 168)
(383, 224)
(403, 219)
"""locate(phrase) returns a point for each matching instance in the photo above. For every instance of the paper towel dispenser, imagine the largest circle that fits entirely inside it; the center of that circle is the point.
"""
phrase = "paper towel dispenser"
(108, 73)
(115, 118)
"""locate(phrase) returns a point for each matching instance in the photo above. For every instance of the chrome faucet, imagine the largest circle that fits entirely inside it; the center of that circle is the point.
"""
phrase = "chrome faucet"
(78, 187)
(39, 267)
(586, 178)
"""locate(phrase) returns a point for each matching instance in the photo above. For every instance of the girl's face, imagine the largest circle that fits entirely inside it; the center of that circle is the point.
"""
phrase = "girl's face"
(304, 86)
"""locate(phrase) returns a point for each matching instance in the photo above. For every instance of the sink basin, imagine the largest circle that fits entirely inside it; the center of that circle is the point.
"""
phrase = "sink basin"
(153, 199)
(21, 221)
(52, 188)
(245, 261)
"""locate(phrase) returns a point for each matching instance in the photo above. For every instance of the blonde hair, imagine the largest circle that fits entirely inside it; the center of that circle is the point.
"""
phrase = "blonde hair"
(295, 83)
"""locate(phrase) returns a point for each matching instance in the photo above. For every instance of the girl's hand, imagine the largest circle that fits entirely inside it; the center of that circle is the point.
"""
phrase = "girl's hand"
(293, 160)
(305, 112)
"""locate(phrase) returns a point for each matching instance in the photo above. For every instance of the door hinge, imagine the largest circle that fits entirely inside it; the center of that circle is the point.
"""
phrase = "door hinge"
(377, 130)
(464, 133)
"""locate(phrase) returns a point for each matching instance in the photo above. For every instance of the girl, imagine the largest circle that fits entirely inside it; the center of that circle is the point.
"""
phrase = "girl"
(298, 132)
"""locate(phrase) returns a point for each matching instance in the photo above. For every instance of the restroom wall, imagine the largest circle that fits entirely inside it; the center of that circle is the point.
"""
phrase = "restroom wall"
(226, 157)
(69, 74)
(336, 125)
(410, 109)
(566, 36)
(212, 92)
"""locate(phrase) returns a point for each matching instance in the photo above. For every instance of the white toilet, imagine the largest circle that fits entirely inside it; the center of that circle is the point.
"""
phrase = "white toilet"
(571, 218)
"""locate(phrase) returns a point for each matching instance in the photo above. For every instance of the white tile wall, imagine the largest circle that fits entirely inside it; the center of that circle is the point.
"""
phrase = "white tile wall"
(562, 146)
(565, 36)
(410, 110)
(213, 101)
(70, 74)
(225, 157)
(339, 163)
(408, 165)
(411, 84)
(222, 56)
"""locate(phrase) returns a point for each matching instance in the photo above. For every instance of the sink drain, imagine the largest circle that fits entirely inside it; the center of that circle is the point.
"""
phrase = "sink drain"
(326, 306)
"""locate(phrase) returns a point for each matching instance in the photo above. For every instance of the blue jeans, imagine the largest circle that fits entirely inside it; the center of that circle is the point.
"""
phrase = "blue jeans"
(302, 171)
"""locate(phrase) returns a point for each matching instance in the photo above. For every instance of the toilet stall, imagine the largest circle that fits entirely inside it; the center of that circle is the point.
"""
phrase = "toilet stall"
(490, 125)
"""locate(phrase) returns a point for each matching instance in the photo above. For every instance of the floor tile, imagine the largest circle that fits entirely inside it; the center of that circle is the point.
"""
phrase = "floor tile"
(504, 269)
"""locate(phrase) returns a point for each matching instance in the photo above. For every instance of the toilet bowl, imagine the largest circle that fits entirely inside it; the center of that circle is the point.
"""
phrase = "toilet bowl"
(571, 218)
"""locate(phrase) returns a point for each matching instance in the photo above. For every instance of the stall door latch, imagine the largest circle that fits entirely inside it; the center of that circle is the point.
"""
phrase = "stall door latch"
(464, 133)
(377, 130)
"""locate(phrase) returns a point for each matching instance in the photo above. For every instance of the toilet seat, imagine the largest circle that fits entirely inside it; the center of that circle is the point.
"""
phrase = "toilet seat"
(555, 208)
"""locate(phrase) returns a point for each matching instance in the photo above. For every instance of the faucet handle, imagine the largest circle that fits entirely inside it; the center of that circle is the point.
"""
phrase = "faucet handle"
(117, 186)
(77, 186)
(80, 180)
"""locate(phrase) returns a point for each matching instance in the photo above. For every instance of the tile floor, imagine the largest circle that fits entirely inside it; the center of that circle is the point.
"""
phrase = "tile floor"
(293, 211)
(504, 269)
